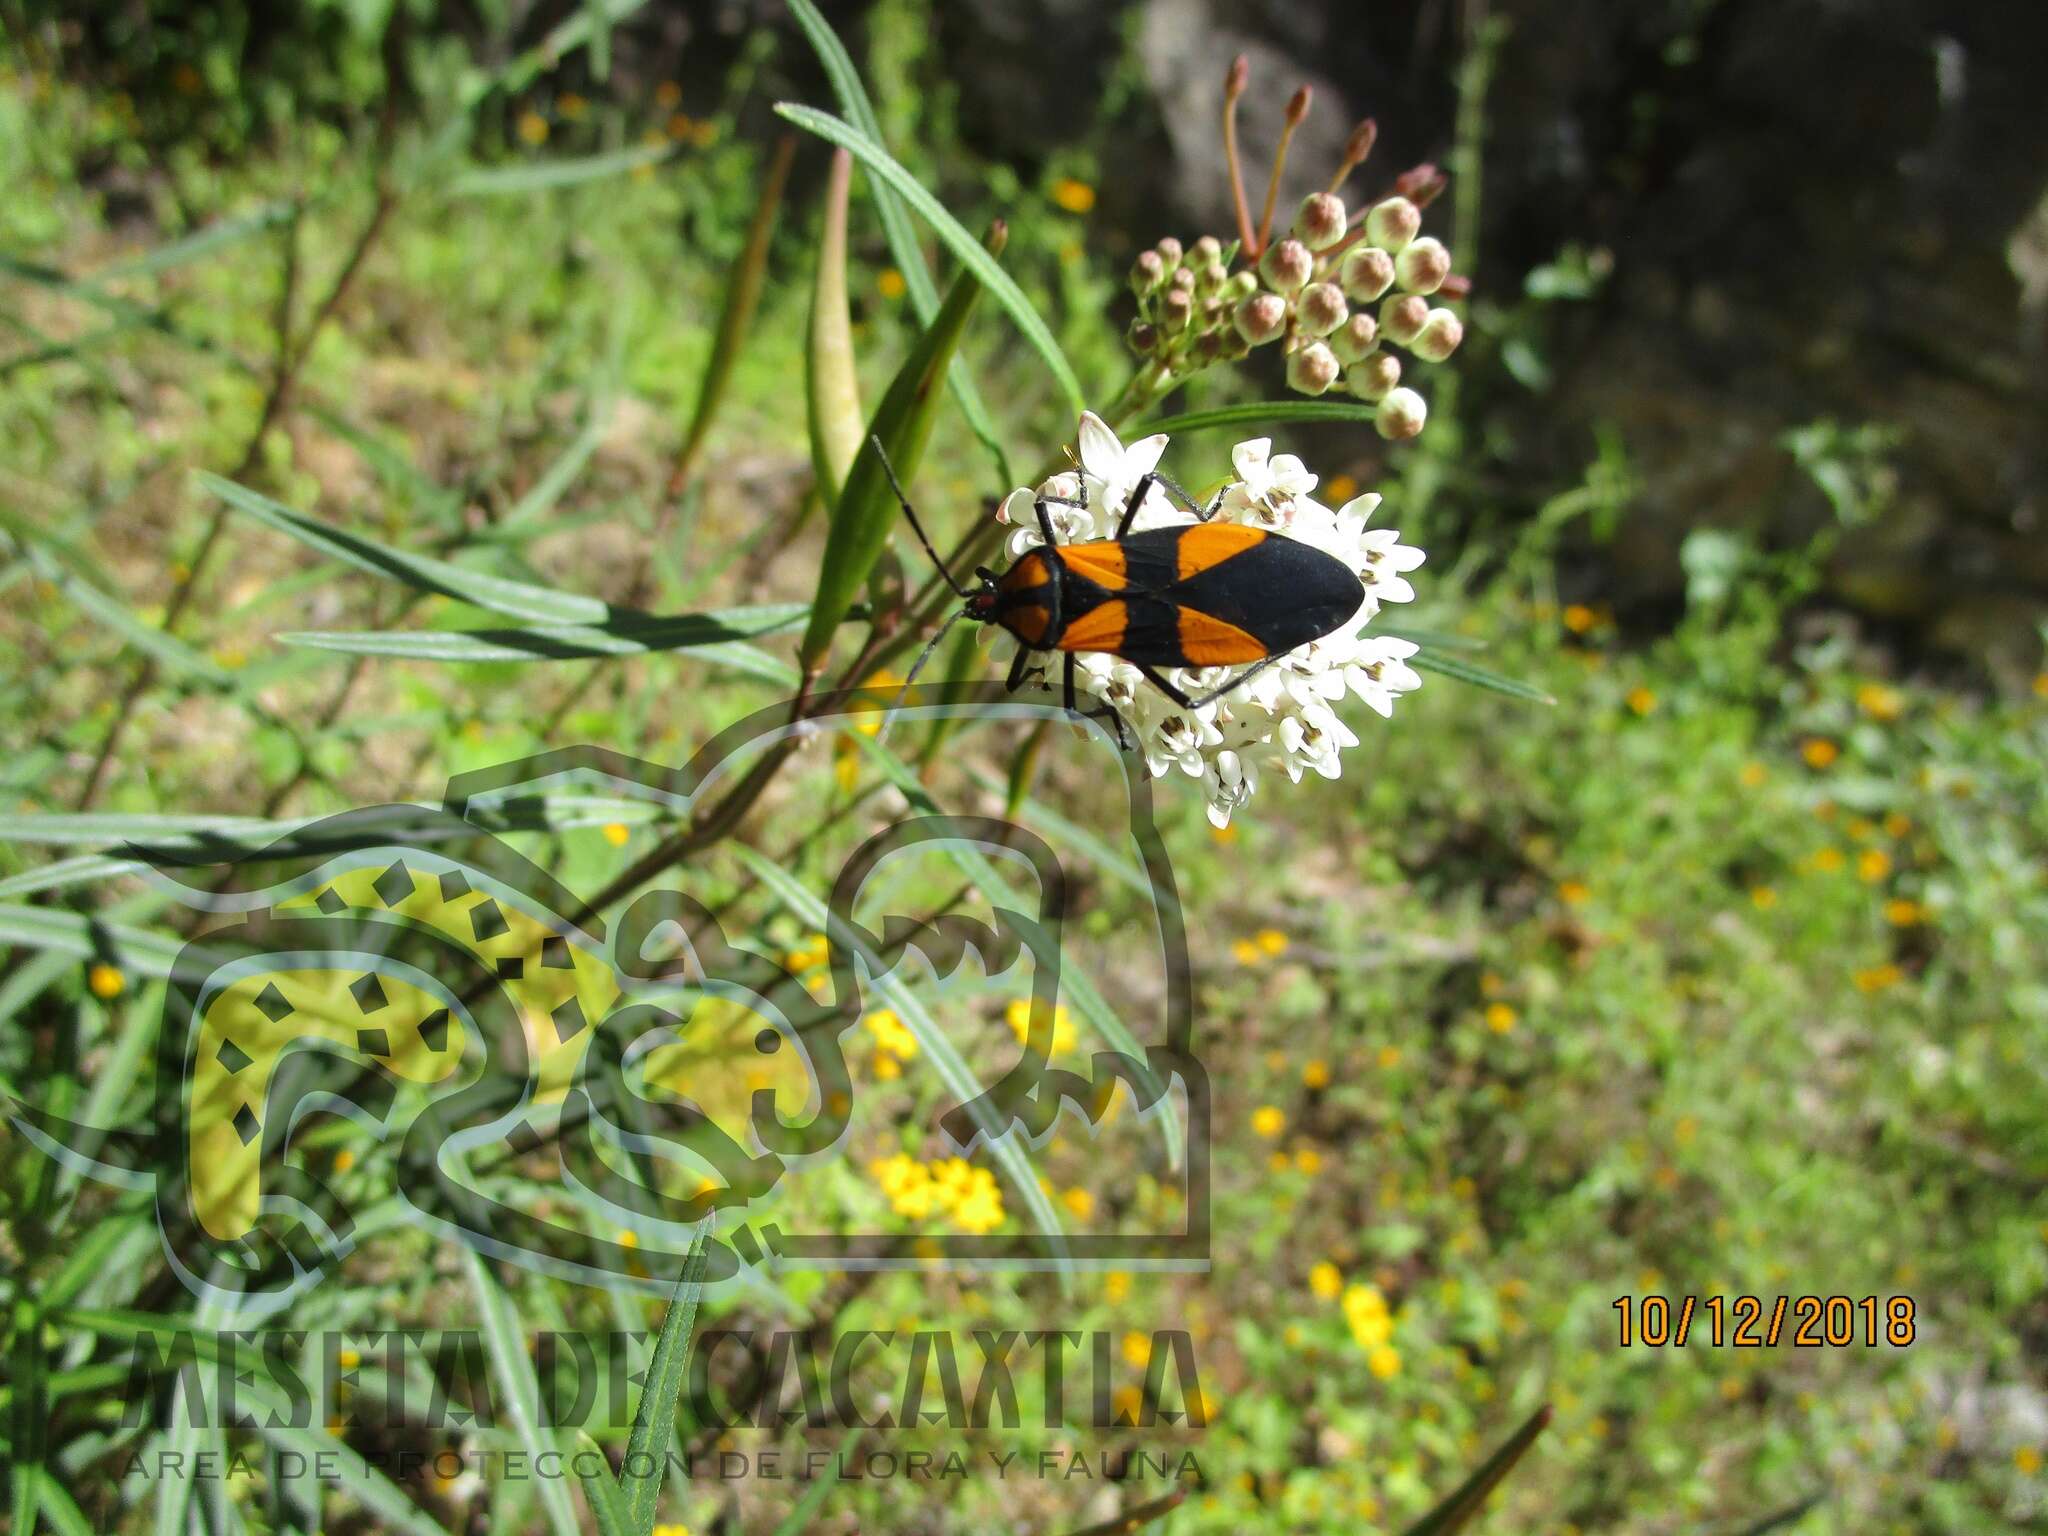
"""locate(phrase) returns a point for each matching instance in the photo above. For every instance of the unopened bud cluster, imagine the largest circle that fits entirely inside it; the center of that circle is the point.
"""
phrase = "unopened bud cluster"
(1186, 298)
(1338, 295)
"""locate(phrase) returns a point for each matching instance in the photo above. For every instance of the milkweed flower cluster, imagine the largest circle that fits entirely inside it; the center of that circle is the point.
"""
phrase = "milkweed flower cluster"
(1339, 288)
(1284, 720)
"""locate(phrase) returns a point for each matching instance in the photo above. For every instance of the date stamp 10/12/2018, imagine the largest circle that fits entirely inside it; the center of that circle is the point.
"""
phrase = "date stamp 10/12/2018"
(1762, 1322)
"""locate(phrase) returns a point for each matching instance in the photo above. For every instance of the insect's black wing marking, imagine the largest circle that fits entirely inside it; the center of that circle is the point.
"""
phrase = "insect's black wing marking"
(1283, 591)
(1151, 632)
(1152, 560)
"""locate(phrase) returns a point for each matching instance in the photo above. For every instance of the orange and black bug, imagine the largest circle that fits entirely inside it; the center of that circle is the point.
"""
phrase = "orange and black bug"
(1203, 594)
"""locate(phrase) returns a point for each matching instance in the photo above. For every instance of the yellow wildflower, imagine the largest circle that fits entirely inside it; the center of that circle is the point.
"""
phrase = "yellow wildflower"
(1339, 488)
(1901, 913)
(891, 1035)
(1390, 1057)
(1880, 702)
(1268, 1121)
(1828, 861)
(1578, 618)
(533, 128)
(1500, 1018)
(1019, 1016)
(1326, 1280)
(1245, 952)
(1640, 700)
(1074, 196)
(571, 106)
(616, 833)
(890, 284)
(1271, 941)
(1872, 865)
(1384, 1362)
(1315, 1074)
(2027, 1460)
(1753, 774)
(1879, 978)
(344, 1160)
(1897, 825)
(1137, 1350)
(1762, 897)
(106, 982)
(1308, 1160)
(1573, 893)
(1080, 1201)
(1819, 752)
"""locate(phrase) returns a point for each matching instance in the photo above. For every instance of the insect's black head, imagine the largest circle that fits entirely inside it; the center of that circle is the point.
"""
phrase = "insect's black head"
(981, 603)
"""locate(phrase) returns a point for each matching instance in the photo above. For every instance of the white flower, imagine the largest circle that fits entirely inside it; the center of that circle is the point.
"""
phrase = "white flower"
(1284, 718)
(1269, 482)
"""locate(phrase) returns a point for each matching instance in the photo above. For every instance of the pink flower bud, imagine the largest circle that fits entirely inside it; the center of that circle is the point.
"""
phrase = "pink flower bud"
(1261, 318)
(1147, 273)
(1320, 224)
(1439, 337)
(1204, 251)
(1176, 309)
(1400, 415)
(1393, 223)
(1321, 308)
(1313, 369)
(1367, 273)
(1169, 253)
(1403, 317)
(1242, 285)
(1143, 337)
(1287, 266)
(1373, 377)
(1423, 266)
(1357, 336)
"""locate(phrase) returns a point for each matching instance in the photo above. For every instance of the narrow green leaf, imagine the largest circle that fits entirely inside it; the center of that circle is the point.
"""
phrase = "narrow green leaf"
(600, 1491)
(59, 1510)
(1258, 413)
(352, 1473)
(519, 599)
(518, 1385)
(950, 232)
(29, 1419)
(561, 642)
(134, 950)
(938, 1048)
(801, 1515)
(86, 869)
(654, 1421)
(831, 386)
(867, 510)
(108, 610)
(561, 474)
(1479, 677)
(201, 242)
(897, 228)
(1457, 1510)
(736, 318)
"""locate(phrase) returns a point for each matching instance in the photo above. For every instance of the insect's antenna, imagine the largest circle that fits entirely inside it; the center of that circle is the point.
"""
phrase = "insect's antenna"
(917, 528)
(917, 666)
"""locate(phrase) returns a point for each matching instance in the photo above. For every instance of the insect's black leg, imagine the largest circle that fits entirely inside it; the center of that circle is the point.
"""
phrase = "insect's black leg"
(1158, 680)
(1144, 488)
(1020, 667)
(1067, 685)
(1043, 506)
(1236, 682)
